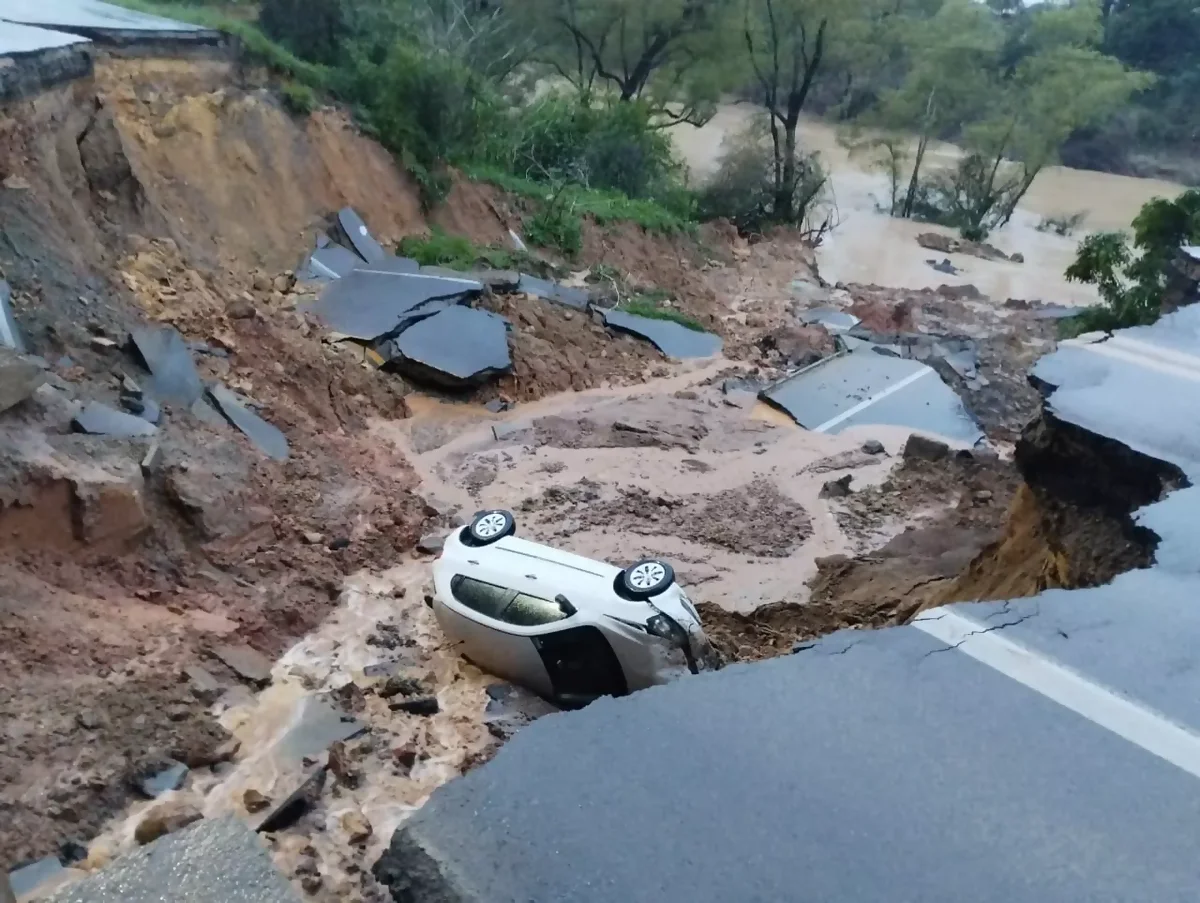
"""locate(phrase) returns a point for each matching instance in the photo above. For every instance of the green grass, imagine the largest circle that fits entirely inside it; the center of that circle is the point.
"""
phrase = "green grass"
(602, 206)
(649, 305)
(457, 252)
(256, 45)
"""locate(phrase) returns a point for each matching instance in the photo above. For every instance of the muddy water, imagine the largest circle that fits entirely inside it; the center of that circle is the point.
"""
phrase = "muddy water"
(871, 247)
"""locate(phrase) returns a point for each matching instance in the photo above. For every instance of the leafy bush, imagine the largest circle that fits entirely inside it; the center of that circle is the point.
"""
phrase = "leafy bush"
(557, 224)
(1131, 277)
(744, 189)
(457, 252)
(299, 98)
(313, 31)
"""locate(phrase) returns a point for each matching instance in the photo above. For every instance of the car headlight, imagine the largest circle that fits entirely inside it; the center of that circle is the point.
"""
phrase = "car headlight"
(668, 629)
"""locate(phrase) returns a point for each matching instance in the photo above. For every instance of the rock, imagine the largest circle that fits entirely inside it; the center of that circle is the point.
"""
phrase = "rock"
(284, 282)
(72, 851)
(982, 495)
(420, 705)
(213, 504)
(165, 819)
(247, 663)
(935, 241)
(288, 812)
(342, 542)
(311, 883)
(89, 720)
(239, 309)
(358, 829)
(341, 767)
(151, 459)
(920, 448)
(254, 801)
(836, 488)
(405, 756)
(1017, 257)
(873, 447)
(431, 543)
(799, 346)
(109, 509)
(19, 378)
(204, 686)
(313, 538)
(261, 283)
(396, 685)
(159, 778)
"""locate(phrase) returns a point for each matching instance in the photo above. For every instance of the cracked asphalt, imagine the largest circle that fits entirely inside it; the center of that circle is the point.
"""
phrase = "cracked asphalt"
(1041, 749)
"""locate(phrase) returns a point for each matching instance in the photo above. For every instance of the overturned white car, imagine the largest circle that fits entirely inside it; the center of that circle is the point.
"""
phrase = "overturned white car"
(569, 628)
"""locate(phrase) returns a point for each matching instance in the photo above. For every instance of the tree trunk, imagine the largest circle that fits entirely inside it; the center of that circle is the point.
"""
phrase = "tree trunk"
(785, 189)
(910, 197)
(636, 81)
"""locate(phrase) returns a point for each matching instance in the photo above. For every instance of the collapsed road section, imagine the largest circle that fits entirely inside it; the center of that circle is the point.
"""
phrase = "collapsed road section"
(1040, 748)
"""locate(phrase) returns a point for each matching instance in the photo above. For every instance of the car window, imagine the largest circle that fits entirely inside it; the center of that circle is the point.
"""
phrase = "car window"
(530, 611)
(485, 598)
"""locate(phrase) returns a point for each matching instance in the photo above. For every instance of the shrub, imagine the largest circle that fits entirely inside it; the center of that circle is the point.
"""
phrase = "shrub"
(313, 31)
(650, 306)
(457, 252)
(744, 190)
(557, 225)
(298, 98)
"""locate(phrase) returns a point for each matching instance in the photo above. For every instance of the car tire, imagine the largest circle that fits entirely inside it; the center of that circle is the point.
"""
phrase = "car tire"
(489, 526)
(647, 578)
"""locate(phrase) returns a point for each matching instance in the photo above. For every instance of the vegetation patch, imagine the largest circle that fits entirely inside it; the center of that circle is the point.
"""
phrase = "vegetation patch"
(650, 305)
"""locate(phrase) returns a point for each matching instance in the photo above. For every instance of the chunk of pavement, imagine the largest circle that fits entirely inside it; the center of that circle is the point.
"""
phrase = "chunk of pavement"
(26, 879)
(873, 447)
(161, 778)
(247, 663)
(144, 408)
(19, 378)
(266, 437)
(511, 708)
(99, 419)
(566, 295)
(330, 262)
(296, 803)
(204, 686)
(215, 860)
(831, 318)
(672, 339)
(165, 818)
(836, 488)
(203, 411)
(369, 305)
(173, 374)
(922, 448)
(394, 265)
(360, 236)
(10, 332)
(419, 705)
(497, 406)
(317, 725)
(431, 543)
(456, 348)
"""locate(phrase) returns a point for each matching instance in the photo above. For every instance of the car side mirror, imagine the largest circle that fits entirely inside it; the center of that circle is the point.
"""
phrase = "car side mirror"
(564, 605)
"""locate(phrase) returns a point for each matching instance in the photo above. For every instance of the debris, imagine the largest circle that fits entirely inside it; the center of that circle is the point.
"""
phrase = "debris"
(669, 337)
(873, 447)
(982, 495)
(397, 685)
(456, 347)
(497, 406)
(342, 542)
(341, 767)
(800, 346)
(216, 859)
(420, 705)
(863, 387)
(552, 291)
(1056, 312)
(19, 378)
(10, 332)
(263, 435)
(838, 488)
(164, 819)
(516, 242)
(203, 411)
(313, 538)
(166, 355)
(360, 236)
(330, 262)
(397, 265)
(152, 458)
(511, 708)
(70, 852)
(239, 309)
(254, 801)
(371, 305)
(948, 244)
(299, 801)
(831, 318)
(358, 829)
(145, 408)
(164, 777)
(247, 663)
(109, 507)
(318, 725)
(920, 448)
(101, 420)
(26, 879)
(944, 266)
(431, 543)
(204, 686)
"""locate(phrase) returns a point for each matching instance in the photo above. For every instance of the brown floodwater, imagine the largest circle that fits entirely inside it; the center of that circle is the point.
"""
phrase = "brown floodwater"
(872, 247)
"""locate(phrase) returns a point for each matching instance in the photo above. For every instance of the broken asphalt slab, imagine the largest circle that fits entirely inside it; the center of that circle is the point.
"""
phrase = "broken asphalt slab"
(863, 387)
(10, 332)
(669, 337)
(360, 236)
(266, 437)
(329, 262)
(318, 724)
(212, 860)
(101, 420)
(20, 40)
(576, 298)
(247, 663)
(456, 348)
(831, 318)
(173, 374)
(368, 304)
(33, 875)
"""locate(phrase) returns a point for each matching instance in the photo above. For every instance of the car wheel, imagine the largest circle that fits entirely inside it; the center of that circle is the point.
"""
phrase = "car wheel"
(647, 578)
(489, 526)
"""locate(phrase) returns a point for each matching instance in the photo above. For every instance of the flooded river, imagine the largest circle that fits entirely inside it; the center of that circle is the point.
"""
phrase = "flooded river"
(871, 247)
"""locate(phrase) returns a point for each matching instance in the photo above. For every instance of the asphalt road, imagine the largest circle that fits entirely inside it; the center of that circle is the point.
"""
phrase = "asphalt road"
(1045, 749)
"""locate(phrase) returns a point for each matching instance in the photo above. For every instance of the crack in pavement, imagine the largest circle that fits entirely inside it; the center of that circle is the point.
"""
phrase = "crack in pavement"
(991, 629)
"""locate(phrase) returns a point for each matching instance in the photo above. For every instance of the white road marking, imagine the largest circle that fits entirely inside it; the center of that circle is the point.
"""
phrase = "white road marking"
(863, 405)
(1152, 731)
(1145, 355)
